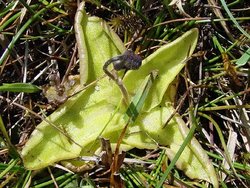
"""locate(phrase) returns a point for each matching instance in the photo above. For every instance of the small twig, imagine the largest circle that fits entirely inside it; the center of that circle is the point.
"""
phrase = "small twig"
(53, 178)
(218, 13)
(69, 66)
(177, 108)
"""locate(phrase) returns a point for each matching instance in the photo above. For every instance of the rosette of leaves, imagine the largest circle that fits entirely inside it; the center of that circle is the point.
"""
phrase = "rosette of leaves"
(99, 111)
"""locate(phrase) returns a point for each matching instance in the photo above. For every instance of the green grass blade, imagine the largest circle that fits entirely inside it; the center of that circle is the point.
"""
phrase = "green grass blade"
(22, 29)
(178, 154)
(139, 99)
(223, 143)
(10, 20)
(233, 19)
(12, 150)
(20, 87)
(6, 9)
(244, 58)
(11, 164)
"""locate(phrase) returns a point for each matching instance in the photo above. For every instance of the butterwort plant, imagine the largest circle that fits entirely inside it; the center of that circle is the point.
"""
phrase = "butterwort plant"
(74, 129)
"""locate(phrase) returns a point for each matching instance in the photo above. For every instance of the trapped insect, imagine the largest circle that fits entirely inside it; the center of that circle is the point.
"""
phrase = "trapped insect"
(126, 61)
